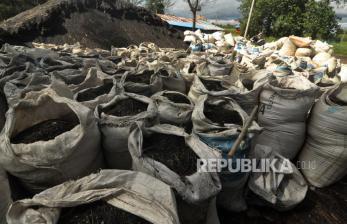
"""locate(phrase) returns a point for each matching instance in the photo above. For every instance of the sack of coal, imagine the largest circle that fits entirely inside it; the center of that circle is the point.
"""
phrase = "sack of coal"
(93, 78)
(247, 88)
(285, 103)
(172, 80)
(144, 83)
(325, 147)
(218, 121)
(48, 139)
(280, 185)
(70, 76)
(215, 67)
(173, 107)
(188, 67)
(110, 196)
(202, 86)
(171, 155)
(15, 93)
(3, 109)
(94, 96)
(5, 195)
(115, 119)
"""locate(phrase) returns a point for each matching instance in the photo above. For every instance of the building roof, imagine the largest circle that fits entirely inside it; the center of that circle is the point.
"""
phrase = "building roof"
(188, 22)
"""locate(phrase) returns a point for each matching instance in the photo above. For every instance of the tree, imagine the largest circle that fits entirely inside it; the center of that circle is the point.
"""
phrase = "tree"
(286, 17)
(195, 6)
(136, 2)
(159, 6)
(320, 20)
(155, 6)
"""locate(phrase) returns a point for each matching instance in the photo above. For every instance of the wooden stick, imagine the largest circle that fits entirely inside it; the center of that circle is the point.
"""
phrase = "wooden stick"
(249, 19)
(243, 132)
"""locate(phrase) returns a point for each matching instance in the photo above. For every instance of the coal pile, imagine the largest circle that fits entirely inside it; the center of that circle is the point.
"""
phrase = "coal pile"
(93, 93)
(92, 23)
(212, 85)
(45, 131)
(144, 78)
(127, 107)
(98, 213)
(218, 114)
(172, 151)
(176, 98)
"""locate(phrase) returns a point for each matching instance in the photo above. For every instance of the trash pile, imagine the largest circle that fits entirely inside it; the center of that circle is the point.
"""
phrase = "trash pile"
(145, 115)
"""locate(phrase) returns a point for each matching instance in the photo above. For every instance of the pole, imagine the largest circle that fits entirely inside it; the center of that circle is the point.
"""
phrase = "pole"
(249, 18)
(243, 132)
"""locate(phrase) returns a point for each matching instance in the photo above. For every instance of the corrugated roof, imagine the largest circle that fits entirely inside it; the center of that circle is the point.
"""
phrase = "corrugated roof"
(188, 22)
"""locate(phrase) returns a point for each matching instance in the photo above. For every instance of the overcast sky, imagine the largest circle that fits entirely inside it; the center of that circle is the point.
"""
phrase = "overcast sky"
(221, 9)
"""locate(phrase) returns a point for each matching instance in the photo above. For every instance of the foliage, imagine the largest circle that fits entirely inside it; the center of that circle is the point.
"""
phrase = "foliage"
(155, 6)
(136, 2)
(320, 20)
(290, 17)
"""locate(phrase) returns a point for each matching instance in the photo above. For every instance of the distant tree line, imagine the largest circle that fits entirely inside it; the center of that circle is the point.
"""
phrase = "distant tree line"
(286, 17)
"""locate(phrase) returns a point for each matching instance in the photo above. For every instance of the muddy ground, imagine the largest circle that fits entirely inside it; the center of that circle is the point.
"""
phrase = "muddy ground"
(321, 206)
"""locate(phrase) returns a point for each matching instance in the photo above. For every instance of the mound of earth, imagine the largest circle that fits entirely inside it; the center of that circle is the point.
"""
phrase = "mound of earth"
(92, 23)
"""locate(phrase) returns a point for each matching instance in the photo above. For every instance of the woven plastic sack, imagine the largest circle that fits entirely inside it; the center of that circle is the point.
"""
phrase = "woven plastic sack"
(173, 107)
(288, 49)
(222, 137)
(196, 191)
(172, 80)
(40, 164)
(202, 86)
(130, 83)
(321, 58)
(115, 130)
(93, 78)
(285, 104)
(5, 196)
(283, 187)
(303, 52)
(325, 145)
(132, 192)
(300, 41)
(104, 93)
(246, 90)
(3, 109)
(343, 73)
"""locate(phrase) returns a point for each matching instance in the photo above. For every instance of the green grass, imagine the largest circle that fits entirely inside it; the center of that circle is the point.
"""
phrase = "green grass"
(340, 46)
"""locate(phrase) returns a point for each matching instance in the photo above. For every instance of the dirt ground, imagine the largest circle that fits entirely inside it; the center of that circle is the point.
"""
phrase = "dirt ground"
(326, 206)
(342, 58)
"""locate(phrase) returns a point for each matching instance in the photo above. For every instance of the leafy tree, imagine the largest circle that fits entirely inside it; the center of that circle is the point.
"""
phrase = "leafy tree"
(286, 17)
(320, 20)
(136, 2)
(155, 6)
